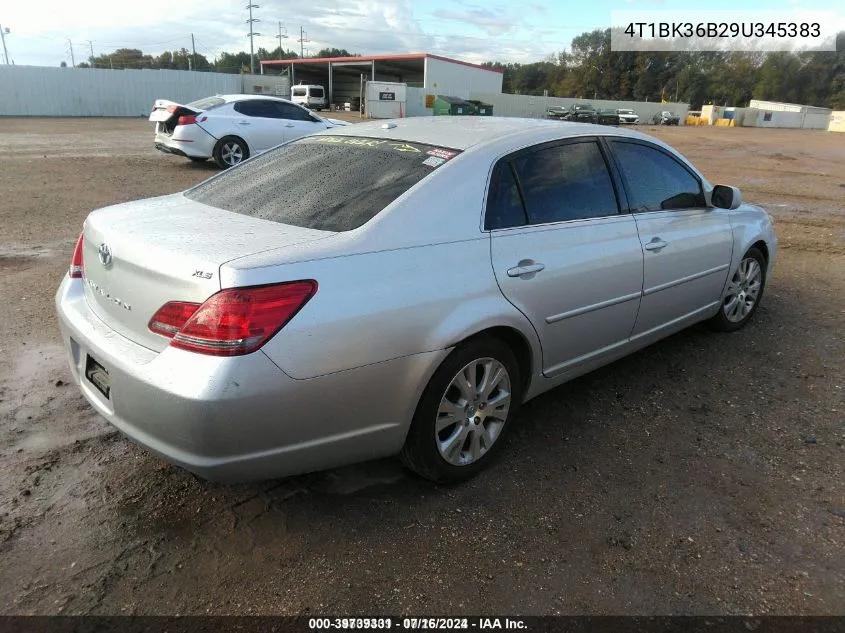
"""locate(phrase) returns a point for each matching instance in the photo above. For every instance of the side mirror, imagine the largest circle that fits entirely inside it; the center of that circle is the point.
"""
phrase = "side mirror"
(726, 197)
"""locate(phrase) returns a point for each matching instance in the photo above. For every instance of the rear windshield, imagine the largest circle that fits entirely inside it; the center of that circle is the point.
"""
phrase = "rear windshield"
(206, 104)
(316, 92)
(329, 183)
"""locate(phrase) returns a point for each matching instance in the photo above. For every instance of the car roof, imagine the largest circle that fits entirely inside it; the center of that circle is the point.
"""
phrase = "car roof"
(231, 98)
(464, 132)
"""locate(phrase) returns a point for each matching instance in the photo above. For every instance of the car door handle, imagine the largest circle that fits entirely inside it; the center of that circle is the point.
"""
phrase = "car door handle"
(288, 124)
(243, 122)
(656, 245)
(525, 268)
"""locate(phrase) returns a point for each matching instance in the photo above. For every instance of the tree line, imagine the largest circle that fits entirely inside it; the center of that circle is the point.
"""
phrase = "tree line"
(183, 59)
(590, 70)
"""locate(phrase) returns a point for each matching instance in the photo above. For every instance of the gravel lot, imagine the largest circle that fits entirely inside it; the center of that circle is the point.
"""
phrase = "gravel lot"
(703, 475)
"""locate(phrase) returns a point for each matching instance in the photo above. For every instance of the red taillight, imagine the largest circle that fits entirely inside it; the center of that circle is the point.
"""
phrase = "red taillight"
(234, 321)
(75, 270)
(186, 120)
(171, 317)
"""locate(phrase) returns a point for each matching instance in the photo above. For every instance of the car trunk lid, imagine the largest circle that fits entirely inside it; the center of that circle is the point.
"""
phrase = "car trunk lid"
(140, 255)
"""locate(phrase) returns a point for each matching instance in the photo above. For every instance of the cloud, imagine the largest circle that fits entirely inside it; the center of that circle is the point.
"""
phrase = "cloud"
(39, 35)
(493, 23)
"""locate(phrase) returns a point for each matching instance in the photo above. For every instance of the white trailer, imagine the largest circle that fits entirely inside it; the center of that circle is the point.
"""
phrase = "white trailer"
(385, 99)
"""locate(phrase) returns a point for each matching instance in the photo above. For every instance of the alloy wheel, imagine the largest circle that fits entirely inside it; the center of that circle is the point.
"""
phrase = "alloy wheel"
(232, 153)
(473, 411)
(743, 290)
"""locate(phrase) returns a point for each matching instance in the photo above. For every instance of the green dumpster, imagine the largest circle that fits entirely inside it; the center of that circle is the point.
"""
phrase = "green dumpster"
(481, 108)
(444, 105)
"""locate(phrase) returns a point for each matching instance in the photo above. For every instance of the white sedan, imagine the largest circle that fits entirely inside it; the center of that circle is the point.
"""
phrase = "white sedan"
(231, 128)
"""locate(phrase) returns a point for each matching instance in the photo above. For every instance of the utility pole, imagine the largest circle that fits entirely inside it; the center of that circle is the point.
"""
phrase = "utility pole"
(302, 39)
(251, 35)
(91, 48)
(3, 33)
(70, 48)
(280, 37)
(194, 49)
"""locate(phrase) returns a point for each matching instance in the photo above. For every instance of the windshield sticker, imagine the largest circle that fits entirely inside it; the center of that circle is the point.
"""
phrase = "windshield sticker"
(404, 147)
(434, 161)
(345, 140)
(441, 153)
(368, 142)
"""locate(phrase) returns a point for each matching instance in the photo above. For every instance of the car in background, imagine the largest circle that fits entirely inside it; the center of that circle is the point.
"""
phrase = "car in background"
(581, 113)
(397, 288)
(310, 96)
(666, 117)
(557, 112)
(231, 128)
(587, 113)
(627, 116)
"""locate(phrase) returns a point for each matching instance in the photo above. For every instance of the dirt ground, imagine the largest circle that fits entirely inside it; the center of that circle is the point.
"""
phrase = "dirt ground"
(703, 475)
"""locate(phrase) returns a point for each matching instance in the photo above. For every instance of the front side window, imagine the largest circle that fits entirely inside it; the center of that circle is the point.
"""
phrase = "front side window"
(566, 182)
(301, 183)
(654, 180)
(291, 112)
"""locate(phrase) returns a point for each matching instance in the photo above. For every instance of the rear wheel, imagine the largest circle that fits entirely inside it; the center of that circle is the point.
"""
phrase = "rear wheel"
(745, 290)
(465, 412)
(230, 151)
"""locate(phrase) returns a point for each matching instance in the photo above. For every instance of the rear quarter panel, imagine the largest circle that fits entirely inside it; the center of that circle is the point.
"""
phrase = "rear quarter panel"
(374, 307)
(416, 278)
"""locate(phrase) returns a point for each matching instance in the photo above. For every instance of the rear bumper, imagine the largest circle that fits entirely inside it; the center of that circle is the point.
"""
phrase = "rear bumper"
(202, 146)
(240, 418)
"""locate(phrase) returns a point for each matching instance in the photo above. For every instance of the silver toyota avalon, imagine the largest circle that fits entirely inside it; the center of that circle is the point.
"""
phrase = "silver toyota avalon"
(396, 288)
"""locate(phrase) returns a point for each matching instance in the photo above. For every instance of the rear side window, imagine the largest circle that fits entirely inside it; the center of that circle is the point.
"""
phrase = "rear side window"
(299, 92)
(654, 180)
(566, 182)
(504, 204)
(329, 183)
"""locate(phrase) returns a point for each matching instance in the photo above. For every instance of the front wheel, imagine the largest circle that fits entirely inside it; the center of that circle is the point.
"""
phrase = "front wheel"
(465, 412)
(230, 151)
(744, 292)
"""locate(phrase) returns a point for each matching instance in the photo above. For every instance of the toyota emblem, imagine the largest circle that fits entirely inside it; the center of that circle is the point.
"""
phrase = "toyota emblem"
(104, 253)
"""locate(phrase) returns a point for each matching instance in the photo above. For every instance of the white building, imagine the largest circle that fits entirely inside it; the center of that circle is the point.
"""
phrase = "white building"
(343, 76)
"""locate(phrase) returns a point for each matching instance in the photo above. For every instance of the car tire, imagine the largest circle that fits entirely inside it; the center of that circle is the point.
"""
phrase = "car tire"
(197, 159)
(743, 294)
(480, 425)
(230, 151)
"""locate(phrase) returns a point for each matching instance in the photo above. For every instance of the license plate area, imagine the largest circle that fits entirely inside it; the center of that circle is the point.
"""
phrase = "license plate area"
(98, 376)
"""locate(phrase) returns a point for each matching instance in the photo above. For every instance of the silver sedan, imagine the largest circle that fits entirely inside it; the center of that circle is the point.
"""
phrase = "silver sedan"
(396, 288)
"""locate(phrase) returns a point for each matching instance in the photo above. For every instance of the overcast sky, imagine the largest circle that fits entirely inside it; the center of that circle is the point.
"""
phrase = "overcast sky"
(474, 30)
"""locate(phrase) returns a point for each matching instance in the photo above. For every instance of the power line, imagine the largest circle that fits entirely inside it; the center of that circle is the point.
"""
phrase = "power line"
(3, 32)
(251, 36)
(280, 36)
(70, 48)
(302, 39)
